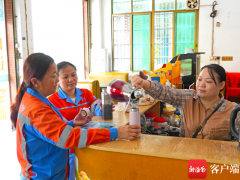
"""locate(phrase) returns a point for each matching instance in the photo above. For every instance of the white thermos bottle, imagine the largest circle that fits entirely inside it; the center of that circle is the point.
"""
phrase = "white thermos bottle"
(134, 117)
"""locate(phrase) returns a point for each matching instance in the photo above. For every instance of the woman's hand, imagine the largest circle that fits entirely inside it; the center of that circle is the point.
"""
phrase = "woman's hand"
(100, 104)
(138, 82)
(128, 131)
(113, 106)
(80, 120)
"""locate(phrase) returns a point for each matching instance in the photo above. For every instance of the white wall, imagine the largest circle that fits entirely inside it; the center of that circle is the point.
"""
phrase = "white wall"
(107, 29)
(226, 37)
(101, 27)
(96, 21)
(58, 34)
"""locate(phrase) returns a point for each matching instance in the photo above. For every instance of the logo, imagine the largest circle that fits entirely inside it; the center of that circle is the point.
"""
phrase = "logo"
(197, 169)
(22, 107)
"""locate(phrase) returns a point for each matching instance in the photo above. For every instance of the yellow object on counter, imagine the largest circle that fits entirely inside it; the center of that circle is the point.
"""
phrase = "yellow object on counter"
(85, 177)
(82, 173)
(178, 116)
(81, 176)
(169, 110)
(168, 113)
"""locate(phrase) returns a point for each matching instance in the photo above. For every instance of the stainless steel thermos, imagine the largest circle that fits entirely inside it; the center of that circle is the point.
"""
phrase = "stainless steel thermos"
(106, 106)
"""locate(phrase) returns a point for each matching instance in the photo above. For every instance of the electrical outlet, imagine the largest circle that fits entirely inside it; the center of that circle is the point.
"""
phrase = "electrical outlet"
(216, 58)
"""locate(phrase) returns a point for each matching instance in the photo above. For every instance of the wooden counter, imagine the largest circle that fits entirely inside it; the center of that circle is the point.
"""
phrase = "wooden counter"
(154, 157)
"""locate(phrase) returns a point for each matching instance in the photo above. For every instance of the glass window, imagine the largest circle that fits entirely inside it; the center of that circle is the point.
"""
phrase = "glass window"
(181, 4)
(121, 6)
(141, 42)
(163, 38)
(142, 5)
(184, 32)
(173, 32)
(162, 5)
(121, 34)
(186, 67)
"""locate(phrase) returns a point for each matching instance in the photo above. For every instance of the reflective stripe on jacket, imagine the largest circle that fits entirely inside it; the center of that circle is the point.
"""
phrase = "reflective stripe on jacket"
(69, 109)
(43, 138)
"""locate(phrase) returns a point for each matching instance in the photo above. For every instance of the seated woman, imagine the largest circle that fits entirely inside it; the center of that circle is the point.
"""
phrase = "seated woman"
(69, 99)
(196, 106)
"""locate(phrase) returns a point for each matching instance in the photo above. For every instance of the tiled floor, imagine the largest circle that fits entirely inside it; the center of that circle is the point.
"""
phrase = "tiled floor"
(10, 168)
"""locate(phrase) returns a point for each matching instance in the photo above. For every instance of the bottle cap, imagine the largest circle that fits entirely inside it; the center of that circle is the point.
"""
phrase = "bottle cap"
(134, 109)
(177, 113)
(159, 119)
(150, 114)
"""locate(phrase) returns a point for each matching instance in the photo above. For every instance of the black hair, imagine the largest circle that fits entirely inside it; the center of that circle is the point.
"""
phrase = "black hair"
(219, 70)
(64, 64)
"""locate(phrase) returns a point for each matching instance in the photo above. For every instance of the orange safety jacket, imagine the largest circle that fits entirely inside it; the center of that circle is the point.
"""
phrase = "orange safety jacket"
(69, 109)
(43, 138)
